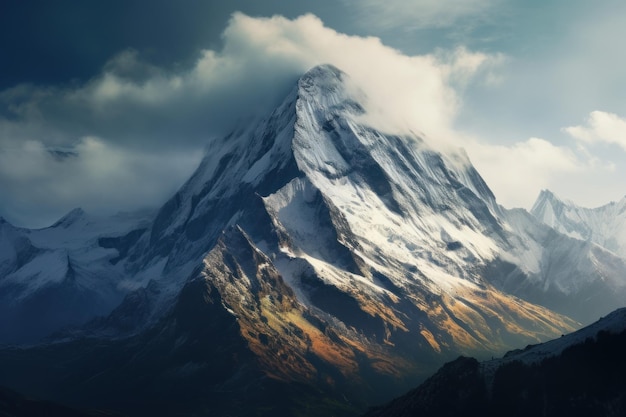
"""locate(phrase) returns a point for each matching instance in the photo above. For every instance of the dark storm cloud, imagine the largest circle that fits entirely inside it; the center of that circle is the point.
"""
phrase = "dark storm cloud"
(46, 42)
(136, 128)
(50, 51)
(135, 104)
(50, 42)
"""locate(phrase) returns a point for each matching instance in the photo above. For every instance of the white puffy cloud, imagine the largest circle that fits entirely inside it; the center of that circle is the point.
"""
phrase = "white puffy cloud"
(517, 172)
(133, 102)
(130, 127)
(601, 127)
(261, 59)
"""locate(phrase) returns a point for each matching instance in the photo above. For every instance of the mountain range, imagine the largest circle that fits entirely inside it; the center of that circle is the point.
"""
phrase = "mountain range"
(312, 264)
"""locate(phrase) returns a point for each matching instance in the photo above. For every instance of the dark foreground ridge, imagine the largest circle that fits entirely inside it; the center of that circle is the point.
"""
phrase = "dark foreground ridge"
(587, 378)
(13, 404)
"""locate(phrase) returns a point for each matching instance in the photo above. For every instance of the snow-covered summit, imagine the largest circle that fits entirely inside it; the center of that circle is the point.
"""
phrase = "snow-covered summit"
(70, 218)
(322, 81)
(604, 226)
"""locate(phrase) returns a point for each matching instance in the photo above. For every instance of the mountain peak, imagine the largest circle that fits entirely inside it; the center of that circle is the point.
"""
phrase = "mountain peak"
(548, 207)
(4, 221)
(70, 218)
(604, 225)
(321, 80)
(334, 253)
(324, 71)
(546, 196)
(325, 88)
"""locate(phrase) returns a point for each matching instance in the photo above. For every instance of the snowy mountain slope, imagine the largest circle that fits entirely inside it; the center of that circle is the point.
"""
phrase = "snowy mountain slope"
(569, 257)
(61, 275)
(392, 208)
(574, 277)
(604, 226)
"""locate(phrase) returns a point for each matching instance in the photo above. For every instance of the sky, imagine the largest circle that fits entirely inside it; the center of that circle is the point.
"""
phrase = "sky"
(109, 105)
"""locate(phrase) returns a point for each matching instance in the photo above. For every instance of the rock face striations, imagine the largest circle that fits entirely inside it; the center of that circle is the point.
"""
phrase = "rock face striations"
(311, 259)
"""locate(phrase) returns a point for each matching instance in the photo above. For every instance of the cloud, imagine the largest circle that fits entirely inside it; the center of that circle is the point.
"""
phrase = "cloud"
(417, 13)
(601, 127)
(517, 172)
(39, 185)
(132, 134)
(133, 102)
(129, 127)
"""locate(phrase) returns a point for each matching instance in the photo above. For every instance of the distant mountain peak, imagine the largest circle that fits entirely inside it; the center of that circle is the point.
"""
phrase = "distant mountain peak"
(548, 197)
(70, 218)
(604, 225)
(546, 194)
(7, 223)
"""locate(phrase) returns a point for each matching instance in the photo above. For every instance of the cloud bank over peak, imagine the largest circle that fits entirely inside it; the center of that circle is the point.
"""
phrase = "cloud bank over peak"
(136, 124)
(133, 133)
(133, 102)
